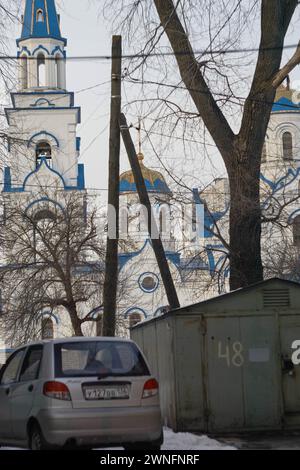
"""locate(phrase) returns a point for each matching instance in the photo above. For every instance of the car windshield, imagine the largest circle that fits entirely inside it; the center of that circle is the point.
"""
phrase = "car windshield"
(99, 358)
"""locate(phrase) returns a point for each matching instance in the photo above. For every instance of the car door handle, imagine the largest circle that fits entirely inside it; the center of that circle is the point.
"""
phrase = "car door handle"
(30, 388)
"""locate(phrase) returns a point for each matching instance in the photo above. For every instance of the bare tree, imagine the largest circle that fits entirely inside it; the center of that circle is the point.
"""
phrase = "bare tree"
(53, 260)
(281, 256)
(201, 75)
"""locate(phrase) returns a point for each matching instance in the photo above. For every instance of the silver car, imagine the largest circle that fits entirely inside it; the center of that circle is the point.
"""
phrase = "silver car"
(79, 392)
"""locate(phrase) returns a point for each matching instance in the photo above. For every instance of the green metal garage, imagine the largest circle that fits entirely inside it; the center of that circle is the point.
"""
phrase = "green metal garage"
(225, 364)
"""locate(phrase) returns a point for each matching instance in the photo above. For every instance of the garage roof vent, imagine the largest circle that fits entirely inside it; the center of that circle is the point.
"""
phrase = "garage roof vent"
(274, 298)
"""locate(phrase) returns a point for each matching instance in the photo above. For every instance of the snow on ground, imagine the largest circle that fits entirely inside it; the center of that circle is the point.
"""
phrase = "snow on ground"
(184, 441)
(187, 441)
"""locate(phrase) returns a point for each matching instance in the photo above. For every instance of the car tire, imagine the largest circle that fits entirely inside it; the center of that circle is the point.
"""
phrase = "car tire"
(36, 438)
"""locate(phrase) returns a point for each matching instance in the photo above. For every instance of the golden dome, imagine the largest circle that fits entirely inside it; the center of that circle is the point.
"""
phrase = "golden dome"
(285, 99)
(154, 179)
(284, 92)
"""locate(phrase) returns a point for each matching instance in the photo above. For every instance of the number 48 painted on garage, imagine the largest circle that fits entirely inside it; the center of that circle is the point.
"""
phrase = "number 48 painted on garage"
(232, 355)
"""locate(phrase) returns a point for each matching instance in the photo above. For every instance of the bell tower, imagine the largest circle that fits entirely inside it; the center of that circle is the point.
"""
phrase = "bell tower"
(41, 48)
(43, 147)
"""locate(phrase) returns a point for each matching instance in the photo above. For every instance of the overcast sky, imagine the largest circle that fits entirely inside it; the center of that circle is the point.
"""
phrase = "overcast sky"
(89, 34)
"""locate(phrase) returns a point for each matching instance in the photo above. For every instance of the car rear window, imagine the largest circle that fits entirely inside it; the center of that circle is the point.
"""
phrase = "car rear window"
(98, 358)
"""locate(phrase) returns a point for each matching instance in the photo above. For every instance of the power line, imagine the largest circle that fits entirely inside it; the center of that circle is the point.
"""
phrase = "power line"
(143, 55)
(202, 92)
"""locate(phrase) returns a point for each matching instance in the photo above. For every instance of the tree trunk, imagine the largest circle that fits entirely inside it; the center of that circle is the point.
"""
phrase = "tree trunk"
(245, 226)
(76, 323)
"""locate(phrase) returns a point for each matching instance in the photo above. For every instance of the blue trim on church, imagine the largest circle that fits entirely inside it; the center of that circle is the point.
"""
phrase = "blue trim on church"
(210, 218)
(42, 101)
(48, 28)
(44, 199)
(63, 108)
(41, 94)
(43, 133)
(43, 162)
(174, 257)
(81, 177)
(135, 310)
(40, 48)
(50, 315)
(8, 188)
(125, 257)
(7, 180)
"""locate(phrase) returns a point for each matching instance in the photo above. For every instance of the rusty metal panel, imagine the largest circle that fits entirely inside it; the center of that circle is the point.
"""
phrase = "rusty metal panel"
(225, 378)
(189, 377)
(261, 372)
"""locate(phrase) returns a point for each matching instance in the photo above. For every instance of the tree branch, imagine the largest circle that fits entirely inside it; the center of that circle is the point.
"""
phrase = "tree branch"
(287, 69)
(192, 77)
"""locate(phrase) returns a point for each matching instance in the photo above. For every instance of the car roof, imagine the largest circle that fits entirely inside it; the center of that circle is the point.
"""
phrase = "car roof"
(78, 339)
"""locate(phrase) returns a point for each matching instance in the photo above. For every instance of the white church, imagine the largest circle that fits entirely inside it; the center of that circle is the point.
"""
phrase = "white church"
(43, 147)
(43, 120)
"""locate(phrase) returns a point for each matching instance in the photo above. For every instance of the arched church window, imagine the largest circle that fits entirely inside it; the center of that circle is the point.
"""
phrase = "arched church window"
(40, 16)
(43, 215)
(41, 70)
(24, 72)
(296, 231)
(164, 219)
(47, 328)
(134, 319)
(43, 150)
(287, 145)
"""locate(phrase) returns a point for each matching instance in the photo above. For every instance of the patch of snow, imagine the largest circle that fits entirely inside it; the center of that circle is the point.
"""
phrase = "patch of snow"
(187, 441)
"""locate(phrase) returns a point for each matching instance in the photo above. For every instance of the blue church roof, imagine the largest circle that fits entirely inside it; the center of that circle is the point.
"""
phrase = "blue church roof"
(41, 21)
(284, 104)
(158, 186)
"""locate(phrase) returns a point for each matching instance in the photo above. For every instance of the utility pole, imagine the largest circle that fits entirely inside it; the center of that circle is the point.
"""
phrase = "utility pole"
(111, 261)
(152, 226)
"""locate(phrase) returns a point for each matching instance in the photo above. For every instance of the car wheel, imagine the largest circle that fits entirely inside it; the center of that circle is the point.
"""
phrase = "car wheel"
(36, 439)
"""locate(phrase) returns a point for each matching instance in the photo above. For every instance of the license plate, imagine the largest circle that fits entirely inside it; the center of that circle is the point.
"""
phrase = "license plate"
(120, 392)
